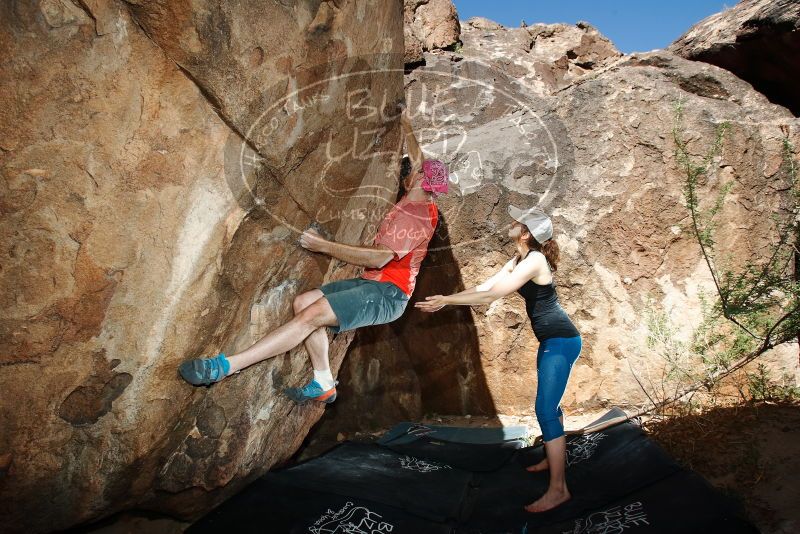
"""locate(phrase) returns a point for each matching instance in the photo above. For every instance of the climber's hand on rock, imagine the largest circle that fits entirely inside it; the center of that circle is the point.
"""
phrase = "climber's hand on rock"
(431, 304)
(313, 241)
(405, 120)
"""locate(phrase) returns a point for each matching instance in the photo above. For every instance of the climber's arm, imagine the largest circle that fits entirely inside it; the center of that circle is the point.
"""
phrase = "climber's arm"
(373, 257)
(414, 151)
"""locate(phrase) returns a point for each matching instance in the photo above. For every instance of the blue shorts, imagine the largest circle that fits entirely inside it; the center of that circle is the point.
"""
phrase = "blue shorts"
(357, 302)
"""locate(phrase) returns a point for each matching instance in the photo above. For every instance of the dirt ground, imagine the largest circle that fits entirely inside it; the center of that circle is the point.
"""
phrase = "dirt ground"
(751, 452)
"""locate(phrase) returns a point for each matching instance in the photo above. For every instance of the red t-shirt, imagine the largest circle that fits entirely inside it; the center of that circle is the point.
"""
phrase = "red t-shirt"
(406, 230)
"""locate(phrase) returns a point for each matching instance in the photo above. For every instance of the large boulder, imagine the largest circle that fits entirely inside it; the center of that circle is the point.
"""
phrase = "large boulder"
(428, 25)
(158, 159)
(758, 40)
(546, 57)
(596, 150)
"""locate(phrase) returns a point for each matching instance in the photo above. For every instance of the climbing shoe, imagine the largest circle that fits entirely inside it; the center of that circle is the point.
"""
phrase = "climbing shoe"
(205, 371)
(311, 392)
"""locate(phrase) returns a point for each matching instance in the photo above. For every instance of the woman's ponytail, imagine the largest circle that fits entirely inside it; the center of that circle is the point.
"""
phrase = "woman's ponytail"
(549, 249)
(551, 252)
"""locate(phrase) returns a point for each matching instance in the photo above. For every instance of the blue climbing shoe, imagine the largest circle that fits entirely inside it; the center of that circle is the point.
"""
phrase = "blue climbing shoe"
(205, 371)
(311, 392)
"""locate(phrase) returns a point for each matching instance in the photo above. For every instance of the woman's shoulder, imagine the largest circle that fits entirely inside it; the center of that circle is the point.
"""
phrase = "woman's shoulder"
(534, 257)
(529, 262)
(536, 263)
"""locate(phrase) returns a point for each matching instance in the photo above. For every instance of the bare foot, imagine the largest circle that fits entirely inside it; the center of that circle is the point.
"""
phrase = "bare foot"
(548, 501)
(544, 465)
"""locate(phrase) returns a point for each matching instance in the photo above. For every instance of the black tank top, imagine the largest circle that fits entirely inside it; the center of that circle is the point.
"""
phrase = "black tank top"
(548, 318)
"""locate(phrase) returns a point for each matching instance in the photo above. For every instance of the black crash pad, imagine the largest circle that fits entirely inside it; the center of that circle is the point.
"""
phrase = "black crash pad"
(460, 481)
(471, 449)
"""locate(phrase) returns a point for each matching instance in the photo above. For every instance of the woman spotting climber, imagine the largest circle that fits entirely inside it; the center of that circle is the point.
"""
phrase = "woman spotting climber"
(379, 296)
(529, 273)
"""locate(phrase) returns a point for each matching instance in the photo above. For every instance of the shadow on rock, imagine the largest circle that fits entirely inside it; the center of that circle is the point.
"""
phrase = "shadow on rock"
(420, 364)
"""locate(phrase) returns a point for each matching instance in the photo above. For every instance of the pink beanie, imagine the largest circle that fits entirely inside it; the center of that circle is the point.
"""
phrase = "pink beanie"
(436, 176)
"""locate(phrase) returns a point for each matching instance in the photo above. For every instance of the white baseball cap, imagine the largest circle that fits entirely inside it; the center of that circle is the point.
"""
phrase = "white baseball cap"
(538, 223)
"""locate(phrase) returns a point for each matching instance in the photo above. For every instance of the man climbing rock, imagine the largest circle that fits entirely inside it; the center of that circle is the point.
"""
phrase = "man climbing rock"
(379, 296)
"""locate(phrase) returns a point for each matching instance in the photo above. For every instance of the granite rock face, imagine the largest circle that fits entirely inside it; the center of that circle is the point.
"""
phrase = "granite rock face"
(545, 57)
(158, 160)
(428, 25)
(758, 40)
(595, 148)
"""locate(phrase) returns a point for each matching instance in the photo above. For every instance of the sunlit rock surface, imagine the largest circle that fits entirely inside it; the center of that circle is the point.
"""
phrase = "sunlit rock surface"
(594, 146)
(546, 57)
(428, 25)
(158, 160)
(758, 40)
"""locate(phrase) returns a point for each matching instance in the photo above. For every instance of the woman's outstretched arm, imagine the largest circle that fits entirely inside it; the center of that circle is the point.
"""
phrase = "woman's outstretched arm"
(496, 277)
(524, 271)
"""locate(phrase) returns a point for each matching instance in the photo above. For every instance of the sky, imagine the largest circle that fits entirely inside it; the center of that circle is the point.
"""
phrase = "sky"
(632, 25)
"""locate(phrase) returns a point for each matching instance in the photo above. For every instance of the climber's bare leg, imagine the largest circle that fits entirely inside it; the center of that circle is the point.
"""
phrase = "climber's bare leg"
(544, 465)
(557, 493)
(286, 337)
(317, 342)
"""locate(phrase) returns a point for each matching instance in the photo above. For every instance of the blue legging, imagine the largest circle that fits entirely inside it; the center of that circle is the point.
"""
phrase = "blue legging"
(554, 362)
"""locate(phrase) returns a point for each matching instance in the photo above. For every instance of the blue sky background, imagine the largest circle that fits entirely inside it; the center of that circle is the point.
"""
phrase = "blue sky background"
(632, 25)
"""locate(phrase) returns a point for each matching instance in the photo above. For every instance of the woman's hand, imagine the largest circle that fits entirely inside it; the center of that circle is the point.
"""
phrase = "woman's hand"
(313, 241)
(431, 304)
